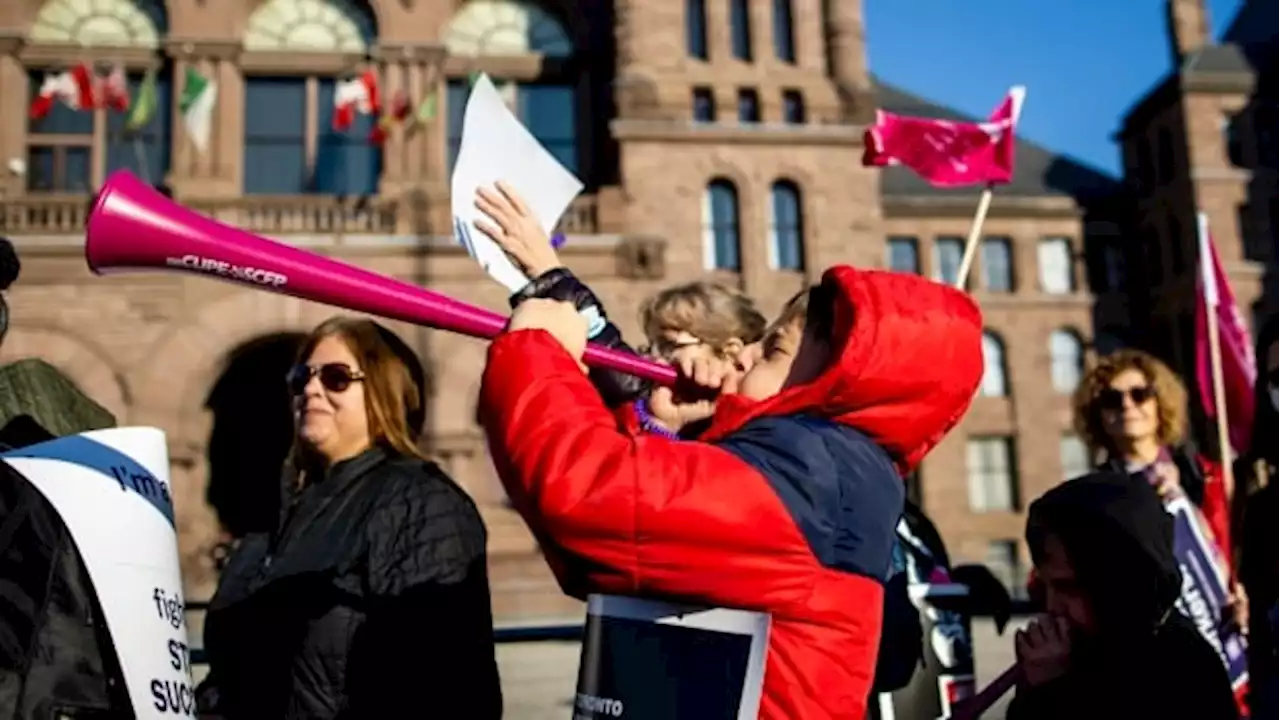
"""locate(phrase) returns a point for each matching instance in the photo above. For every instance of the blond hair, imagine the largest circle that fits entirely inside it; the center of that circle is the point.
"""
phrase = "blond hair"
(1170, 397)
(711, 312)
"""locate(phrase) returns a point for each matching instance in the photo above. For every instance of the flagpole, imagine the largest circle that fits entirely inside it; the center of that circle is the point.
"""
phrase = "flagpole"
(975, 230)
(1209, 283)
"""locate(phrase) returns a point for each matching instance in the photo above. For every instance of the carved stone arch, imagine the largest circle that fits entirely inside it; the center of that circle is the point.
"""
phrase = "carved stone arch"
(345, 26)
(88, 367)
(507, 27)
(196, 347)
(100, 23)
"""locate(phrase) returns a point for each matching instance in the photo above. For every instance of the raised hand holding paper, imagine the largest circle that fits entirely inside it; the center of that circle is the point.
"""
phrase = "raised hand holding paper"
(495, 146)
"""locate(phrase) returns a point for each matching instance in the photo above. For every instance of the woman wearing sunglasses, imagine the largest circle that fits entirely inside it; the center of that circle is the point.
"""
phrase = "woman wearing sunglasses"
(1131, 410)
(370, 599)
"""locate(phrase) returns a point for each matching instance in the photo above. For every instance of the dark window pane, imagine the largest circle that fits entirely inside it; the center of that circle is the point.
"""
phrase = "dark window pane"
(346, 163)
(459, 91)
(550, 113)
(748, 106)
(695, 28)
(704, 105)
(740, 29)
(275, 155)
(145, 152)
(784, 44)
(788, 227)
(904, 256)
(723, 201)
(793, 107)
(40, 169)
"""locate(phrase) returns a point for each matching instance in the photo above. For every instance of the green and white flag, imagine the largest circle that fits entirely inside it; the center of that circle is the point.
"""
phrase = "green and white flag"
(199, 94)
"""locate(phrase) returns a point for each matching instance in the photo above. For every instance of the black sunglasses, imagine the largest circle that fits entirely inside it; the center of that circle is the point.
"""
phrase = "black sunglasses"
(335, 377)
(1113, 399)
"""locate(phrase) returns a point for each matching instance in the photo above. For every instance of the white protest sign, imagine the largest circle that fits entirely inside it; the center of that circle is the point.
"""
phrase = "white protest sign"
(496, 146)
(111, 490)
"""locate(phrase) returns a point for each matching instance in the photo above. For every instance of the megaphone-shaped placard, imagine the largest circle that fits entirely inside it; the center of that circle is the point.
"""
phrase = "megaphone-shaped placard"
(111, 489)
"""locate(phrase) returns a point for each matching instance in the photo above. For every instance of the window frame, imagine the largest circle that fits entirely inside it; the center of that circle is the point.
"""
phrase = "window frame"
(1070, 268)
(793, 229)
(910, 241)
(1010, 276)
(713, 227)
(984, 505)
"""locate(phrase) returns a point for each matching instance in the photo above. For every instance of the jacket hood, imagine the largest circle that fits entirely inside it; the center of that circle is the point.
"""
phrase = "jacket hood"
(908, 360)
(1119, 539)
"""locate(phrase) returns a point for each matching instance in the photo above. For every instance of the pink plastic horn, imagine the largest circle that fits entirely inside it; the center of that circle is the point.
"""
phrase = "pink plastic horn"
(134, 227)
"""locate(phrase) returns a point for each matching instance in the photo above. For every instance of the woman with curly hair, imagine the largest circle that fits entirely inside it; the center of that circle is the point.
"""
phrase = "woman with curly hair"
(1131, 410)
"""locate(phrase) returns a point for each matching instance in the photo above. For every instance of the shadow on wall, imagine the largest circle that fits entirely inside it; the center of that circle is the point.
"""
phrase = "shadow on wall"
(252, 432)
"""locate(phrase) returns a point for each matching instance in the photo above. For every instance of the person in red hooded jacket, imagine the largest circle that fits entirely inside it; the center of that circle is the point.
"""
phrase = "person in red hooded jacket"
(788, 500)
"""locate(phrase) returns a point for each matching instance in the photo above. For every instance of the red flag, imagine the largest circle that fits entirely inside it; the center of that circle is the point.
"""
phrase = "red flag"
(357, 96)
(947, 153)
(74, 87)
(1216, 303)
(395, 115)
(114, 92)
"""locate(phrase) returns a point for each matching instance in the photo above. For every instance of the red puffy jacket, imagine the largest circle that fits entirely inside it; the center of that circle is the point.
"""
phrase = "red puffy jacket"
(786, 506)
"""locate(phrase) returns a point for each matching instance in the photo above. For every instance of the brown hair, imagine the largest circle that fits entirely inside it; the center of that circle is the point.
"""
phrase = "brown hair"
(814, 307)
(711, 312)
(395, 386)
(1170, 396)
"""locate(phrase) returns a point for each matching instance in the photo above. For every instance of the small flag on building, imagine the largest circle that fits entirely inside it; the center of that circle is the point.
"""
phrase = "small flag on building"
(396, 114)
(359, 95)
(73, 88)
(145, 107)
(199, 95)
(115, 90)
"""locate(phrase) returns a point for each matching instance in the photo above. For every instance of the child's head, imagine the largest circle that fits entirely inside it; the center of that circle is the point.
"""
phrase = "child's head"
(796, 348)
(1102, 545)
(700, 320)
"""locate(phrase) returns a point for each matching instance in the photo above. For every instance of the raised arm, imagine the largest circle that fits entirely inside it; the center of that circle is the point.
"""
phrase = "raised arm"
(639, 514)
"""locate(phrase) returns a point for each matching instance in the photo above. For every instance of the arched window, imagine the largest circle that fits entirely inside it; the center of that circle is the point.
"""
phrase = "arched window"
(1066, 357)
(720, 240)
(62, 145)
(994, 382)
(280, 156)
(740, 29)
(547, 104)
(695, 28)
(786, 229)
(784, 39)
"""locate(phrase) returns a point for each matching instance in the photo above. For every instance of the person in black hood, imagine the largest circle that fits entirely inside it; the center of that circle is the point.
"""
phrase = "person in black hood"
(1112, 644)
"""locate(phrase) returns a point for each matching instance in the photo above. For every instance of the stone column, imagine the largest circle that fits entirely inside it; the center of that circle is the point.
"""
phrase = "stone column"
(217, 170)
(847, 50)
(13, 125)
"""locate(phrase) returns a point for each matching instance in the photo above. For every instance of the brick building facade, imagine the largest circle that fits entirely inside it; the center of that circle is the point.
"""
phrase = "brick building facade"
(716, 138)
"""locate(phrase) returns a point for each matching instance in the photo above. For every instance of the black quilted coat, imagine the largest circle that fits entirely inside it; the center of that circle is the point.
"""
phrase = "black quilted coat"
(371, 600)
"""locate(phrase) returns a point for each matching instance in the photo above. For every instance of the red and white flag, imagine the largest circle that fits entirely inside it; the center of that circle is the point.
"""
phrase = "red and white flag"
(73, 88)
(1216, 303)
(947, 153)
(359, 95)
(114, 91)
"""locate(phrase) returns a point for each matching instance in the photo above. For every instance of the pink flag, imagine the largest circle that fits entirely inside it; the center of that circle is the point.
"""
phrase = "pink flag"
(1216, 302)
(947, 153)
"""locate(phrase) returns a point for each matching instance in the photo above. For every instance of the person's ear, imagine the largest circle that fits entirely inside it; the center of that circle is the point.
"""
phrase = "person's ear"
(731, 348)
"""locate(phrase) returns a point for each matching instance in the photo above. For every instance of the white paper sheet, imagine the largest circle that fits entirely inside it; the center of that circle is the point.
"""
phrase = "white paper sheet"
(495, 146)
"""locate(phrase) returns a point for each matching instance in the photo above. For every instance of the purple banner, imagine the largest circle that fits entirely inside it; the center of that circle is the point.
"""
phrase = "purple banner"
(1204, 590)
